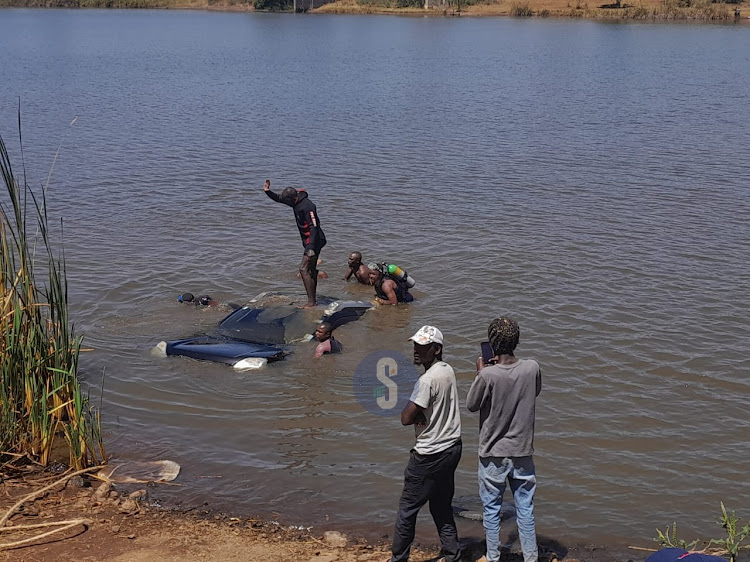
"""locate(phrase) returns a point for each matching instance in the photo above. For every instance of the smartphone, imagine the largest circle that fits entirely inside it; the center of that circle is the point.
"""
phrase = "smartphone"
(487, 352)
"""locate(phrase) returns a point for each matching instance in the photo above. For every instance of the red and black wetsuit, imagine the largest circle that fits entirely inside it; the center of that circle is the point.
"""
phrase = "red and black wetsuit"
(307, 219)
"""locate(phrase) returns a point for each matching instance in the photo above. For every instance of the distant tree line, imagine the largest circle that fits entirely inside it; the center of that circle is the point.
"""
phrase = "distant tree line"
(274, 5)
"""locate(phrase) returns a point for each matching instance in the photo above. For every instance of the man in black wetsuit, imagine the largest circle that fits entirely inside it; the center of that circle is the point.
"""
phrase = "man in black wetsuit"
(388, 288)
(312, 235)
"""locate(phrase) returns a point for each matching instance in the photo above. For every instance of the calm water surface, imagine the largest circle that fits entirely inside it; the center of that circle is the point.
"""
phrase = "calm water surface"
(589, 179)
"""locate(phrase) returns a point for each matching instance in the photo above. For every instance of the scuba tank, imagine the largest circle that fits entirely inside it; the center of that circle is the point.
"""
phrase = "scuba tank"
(400, 274)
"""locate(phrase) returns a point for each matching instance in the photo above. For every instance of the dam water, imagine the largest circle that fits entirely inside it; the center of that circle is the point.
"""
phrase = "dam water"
(589, 179)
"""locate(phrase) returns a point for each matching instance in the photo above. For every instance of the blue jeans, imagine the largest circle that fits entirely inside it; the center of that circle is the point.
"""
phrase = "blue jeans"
(494, 472)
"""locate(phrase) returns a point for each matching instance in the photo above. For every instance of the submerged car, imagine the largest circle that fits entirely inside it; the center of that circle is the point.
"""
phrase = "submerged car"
(262, 331)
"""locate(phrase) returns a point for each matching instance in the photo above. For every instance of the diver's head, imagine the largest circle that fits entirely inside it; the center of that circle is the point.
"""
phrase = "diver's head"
(185, 297)
(376, 272)
(289, 195)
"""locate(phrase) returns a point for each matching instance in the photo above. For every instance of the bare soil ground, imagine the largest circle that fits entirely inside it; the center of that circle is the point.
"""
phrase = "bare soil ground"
(124, 528)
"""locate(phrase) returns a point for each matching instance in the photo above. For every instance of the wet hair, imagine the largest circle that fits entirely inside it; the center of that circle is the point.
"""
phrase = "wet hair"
(503, 334)
(326, 326)
(185, 297)
(289, 194)
(204, 300)
(356, 256)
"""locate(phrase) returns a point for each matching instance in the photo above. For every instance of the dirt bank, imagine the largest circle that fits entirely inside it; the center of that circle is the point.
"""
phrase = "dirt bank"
(121, 525)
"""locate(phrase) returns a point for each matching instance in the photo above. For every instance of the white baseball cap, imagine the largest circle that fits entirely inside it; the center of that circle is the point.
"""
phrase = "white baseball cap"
(427, 334)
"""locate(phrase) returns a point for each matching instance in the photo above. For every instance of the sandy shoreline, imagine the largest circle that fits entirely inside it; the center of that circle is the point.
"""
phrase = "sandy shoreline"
(122, 526)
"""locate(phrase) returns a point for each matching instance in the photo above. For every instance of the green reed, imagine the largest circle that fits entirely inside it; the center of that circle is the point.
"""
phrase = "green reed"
(40, 394)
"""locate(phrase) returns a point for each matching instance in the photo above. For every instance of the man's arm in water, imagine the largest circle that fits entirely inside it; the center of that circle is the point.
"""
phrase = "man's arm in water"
(388, 288)
(322, 347)
(349, 274)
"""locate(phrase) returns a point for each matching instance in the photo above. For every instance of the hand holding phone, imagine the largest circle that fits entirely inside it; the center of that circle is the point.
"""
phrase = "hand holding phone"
(487, 353)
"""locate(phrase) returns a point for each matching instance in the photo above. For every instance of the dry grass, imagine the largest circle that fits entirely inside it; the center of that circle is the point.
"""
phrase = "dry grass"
(591, 9)
(635, 10)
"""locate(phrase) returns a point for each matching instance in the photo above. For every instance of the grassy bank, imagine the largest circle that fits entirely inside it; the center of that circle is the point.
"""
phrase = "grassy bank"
(663, 10)
(42, 405)
(704, 10)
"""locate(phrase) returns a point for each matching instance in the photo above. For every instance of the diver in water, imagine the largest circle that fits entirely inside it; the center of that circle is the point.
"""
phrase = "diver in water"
(324, 334)
(313, 238)
(201, 300)
(389, 289)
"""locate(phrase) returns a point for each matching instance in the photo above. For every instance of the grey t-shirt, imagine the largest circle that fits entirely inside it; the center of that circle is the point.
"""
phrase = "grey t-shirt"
(436, 392)
(505, 396)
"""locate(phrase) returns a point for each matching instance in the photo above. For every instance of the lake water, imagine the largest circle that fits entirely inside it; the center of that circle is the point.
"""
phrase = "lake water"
(589, 179)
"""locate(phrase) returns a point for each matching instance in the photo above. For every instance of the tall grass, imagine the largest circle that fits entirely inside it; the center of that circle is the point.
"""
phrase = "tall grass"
(40, 395)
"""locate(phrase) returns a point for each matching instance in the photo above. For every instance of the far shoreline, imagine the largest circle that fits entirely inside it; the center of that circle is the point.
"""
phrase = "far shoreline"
(638, 11)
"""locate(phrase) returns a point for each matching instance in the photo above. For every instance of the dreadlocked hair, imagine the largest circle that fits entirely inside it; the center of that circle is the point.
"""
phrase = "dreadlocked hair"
(503, 334)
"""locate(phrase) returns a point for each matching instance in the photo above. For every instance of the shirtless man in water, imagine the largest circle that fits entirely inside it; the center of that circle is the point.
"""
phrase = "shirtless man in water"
(360, 271)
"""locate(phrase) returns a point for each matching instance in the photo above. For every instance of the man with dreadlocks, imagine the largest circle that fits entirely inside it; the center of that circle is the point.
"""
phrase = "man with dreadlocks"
(505, 392)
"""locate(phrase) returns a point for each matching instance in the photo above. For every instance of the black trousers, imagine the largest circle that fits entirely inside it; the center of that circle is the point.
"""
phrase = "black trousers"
(428, 478)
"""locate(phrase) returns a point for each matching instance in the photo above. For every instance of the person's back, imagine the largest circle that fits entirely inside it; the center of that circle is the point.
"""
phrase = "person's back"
(506, 399)
(504, 392)
(388, 288)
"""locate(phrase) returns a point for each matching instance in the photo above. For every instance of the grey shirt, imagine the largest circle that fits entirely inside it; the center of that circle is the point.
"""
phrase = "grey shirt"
(505, 396)
(436, 392)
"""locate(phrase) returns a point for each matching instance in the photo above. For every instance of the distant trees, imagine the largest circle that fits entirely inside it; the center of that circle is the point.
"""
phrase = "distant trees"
(274, 5)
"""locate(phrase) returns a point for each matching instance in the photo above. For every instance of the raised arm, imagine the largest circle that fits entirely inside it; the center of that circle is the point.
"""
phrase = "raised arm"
(271, 194)
(476, 393)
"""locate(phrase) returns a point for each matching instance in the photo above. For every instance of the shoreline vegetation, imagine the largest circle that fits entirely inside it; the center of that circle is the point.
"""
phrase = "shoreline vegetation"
(44, 414)
(616, 10)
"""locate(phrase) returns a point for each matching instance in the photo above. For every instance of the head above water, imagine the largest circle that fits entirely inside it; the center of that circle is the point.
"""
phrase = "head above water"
(185, 297)
(289, 195)
(355, 259)
(323, 331)
(503, 335)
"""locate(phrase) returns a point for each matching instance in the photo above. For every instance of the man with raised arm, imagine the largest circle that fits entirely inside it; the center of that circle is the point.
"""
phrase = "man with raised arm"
(310, 231)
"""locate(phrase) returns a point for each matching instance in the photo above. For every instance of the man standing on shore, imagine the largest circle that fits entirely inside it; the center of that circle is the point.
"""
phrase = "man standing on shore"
(505, 392)
(429, 475)
(312, 235)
